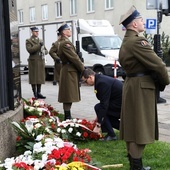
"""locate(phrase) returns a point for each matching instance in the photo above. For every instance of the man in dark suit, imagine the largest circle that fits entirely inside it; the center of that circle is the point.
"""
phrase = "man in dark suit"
(109, 92)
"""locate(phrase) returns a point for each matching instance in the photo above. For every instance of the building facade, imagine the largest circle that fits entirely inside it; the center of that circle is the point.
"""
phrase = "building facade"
(32, 12)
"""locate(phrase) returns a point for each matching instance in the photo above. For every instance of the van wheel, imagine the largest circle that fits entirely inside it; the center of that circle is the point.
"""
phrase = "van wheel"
(99, 70)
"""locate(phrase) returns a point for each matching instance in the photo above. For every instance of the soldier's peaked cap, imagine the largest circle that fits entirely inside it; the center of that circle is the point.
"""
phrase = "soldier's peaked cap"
(131, 14)
(34, 29)
(63, 27)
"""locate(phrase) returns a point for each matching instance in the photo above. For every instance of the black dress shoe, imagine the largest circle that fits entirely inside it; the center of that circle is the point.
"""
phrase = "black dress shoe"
(40, 96)
(109, 138)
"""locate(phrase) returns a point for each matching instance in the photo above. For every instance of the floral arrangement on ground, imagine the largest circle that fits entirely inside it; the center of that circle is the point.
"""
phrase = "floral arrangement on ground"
(45, 142)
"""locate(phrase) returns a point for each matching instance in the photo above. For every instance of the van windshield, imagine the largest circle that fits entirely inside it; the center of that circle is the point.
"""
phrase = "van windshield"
(107, 42)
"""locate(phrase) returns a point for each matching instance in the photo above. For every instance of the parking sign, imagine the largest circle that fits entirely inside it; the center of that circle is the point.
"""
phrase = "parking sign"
(151, 26)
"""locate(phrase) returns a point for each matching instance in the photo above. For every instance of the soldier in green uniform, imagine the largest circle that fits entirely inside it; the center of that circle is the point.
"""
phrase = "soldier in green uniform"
(36, 62)
(57, 66)
(139, 119)
(69, 90)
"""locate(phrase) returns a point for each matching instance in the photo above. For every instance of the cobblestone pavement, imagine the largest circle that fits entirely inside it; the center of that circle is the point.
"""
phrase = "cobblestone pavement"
(85, 108)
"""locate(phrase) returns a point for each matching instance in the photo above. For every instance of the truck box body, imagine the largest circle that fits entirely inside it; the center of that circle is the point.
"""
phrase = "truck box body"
(96, 39)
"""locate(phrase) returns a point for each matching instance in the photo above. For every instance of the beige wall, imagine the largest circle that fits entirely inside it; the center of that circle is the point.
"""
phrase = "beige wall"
(113, 15)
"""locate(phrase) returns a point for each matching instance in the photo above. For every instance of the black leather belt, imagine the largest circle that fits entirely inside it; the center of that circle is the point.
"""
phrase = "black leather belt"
(138, 74)
(66, 63)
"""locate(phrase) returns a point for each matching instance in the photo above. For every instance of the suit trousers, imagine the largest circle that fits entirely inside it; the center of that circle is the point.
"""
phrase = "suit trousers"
(108, 122)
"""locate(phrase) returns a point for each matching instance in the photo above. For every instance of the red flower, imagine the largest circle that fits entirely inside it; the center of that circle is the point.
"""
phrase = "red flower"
(18, 138)
(22, 165)
(85, 134)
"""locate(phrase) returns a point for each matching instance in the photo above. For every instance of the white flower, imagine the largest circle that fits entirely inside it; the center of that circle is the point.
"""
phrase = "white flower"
(9, 162)
(57, 139)
(60, 144)
(78, 134)
(58, 130)
(44, 157)
(48, 130)
(70, 130)
(48, 140)
(30, 109)
(37, 125)
(79, 121)
(51, 120)
(29, 125)
(26, 106)
(26, 153)
(74, 120)
(36, 103)
(63, 131)
(37, 147)
(38, 164)
(77, 125)
(39, 137)
(65, 125)
(72, 124)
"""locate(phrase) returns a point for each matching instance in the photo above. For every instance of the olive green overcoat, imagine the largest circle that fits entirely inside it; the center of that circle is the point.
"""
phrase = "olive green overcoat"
(57, 63)
(36, 61)
(69, 90)
(139, 119)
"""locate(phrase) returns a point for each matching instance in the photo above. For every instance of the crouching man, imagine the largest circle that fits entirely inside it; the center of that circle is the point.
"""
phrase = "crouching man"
(109, 92)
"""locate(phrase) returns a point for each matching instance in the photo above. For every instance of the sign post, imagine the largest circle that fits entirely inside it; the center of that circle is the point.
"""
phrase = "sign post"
(151, 24)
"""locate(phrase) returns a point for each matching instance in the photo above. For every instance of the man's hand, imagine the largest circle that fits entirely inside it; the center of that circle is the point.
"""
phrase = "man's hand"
(97, 128)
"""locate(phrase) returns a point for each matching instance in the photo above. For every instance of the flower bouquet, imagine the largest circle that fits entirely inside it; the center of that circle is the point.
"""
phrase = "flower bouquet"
(30, 128)
(38, 108)
(77, 129)
(50, 153)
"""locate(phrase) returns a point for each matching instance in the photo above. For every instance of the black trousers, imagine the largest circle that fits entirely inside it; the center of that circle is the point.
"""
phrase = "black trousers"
(108, 123)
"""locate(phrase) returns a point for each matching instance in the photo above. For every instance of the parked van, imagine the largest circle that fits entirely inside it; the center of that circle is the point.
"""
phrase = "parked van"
(95, 42)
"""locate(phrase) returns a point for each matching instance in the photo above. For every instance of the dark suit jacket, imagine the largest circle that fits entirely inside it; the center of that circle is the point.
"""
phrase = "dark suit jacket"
(109, 91)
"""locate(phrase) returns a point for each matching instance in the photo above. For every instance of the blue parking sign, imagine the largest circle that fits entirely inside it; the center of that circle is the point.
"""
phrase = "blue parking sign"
(151, 26)
(150, 23)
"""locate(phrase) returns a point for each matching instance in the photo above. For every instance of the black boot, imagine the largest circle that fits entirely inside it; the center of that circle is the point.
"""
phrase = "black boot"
(130, 160)
(39, 95)
(34, 91)
(67, 115)
(137, 164)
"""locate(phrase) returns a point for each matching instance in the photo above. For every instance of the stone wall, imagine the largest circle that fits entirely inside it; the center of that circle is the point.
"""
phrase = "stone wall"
(7, 133)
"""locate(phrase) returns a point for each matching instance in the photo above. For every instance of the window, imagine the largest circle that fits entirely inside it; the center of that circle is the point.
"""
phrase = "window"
(73, 7)
(44, 12)
(90, 5)
(32, 14)
(87, 41)
(20, 16)
(108, 4)
(58, 9)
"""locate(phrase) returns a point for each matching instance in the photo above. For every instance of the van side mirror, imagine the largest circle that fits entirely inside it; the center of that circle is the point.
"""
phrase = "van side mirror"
(91, 49)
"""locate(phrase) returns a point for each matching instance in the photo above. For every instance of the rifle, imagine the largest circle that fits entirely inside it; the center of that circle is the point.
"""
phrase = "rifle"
(79, 53)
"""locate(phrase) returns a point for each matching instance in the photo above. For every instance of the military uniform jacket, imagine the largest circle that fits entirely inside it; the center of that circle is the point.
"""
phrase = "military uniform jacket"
(36, 63)
(69, 75)
(57, 66)
(109, 92)
(139, 120)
